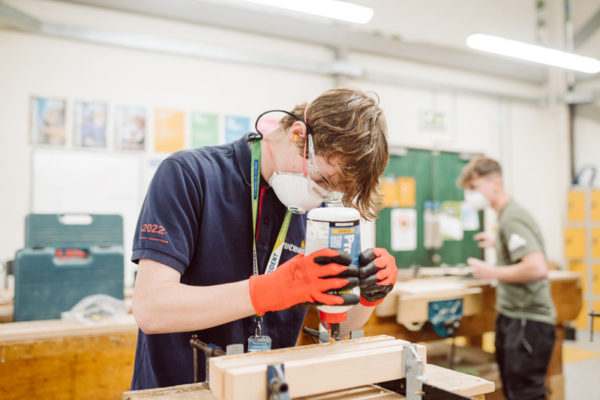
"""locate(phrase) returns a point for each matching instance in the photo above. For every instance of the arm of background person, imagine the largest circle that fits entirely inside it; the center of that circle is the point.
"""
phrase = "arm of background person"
(531, 267)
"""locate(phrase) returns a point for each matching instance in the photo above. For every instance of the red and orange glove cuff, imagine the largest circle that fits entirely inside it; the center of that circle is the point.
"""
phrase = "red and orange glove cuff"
(368, 303)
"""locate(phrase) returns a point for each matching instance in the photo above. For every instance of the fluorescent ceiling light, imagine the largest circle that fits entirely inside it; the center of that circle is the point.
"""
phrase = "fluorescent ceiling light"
(335, 9)
(532, 52)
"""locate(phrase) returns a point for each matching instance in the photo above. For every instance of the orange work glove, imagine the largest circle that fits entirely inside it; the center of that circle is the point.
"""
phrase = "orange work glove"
(306, 279)
(377, 273)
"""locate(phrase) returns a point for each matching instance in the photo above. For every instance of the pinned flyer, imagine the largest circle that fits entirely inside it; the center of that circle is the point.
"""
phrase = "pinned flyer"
(469, 216)
(450, 221)
(168, 130)
(404, 229)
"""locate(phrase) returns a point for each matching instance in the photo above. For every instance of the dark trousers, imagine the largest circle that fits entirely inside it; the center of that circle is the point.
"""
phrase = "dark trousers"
(523, 351)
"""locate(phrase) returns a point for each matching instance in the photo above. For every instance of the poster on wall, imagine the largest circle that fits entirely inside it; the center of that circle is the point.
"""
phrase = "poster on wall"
(168, 130)
(450, 220)
(130, 127)
(399, 191)
(469, 216)
(404, 229)
(89, 124)
(205, 129)
(236, 127)
(48, 117)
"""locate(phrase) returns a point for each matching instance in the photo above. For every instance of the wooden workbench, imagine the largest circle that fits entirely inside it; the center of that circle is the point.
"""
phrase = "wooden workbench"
(453, 381)
(566, 293)
(53, 359)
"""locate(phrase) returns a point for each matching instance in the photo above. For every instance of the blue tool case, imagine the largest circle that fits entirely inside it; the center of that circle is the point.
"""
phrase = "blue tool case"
(65, 259)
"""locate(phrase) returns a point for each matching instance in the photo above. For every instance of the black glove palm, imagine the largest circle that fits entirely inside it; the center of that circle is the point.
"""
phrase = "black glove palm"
(377, 275)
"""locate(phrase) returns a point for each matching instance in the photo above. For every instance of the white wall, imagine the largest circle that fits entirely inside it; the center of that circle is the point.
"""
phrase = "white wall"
(529, 141)
(38, 65)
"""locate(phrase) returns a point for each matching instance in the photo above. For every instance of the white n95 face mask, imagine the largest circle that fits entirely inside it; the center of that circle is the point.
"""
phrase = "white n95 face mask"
(476, 199)
(294, 192)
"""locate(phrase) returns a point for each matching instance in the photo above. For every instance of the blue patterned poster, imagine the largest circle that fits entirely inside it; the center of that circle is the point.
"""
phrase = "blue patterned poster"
(236, 127)
(48, 118)
(89, 120)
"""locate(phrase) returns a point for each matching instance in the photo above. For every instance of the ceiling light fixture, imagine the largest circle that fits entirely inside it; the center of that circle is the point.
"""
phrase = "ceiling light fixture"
(532, 52)
(335, 9)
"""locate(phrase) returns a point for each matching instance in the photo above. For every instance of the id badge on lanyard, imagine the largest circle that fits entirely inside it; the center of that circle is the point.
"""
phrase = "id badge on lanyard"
(258, 341)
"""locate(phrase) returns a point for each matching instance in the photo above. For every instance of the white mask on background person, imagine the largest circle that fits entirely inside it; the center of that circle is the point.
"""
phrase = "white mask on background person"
(294, 192)
(476, 199)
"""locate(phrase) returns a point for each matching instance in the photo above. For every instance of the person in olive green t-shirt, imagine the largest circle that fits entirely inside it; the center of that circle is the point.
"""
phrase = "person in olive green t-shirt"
(525, 327)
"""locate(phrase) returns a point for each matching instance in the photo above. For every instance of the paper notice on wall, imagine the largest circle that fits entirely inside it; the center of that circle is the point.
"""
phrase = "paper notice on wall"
(399, 191)
(451, 226)
(404, 229)
(205, 129)
(236, 127)
(168, 130)
(469, 216)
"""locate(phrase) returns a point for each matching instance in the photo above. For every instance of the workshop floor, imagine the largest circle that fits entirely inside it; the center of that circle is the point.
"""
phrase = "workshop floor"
(582, 367)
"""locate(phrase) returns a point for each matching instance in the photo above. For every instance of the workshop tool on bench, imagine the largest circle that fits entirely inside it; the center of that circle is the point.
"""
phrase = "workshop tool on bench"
(210, 350)
(414, 385)
(445, 316)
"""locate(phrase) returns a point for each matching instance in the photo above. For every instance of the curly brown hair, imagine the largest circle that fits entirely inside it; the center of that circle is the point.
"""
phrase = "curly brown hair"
(349, 123)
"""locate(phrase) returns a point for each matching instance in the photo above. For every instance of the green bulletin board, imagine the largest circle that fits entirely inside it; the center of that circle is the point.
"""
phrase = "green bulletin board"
(435, 174)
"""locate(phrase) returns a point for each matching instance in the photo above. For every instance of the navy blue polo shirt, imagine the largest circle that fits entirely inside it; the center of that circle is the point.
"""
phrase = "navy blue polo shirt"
(197, 219)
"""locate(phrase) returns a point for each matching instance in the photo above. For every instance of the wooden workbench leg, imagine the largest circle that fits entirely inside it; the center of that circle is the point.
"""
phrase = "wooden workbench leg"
(474, 340)
(555, 380)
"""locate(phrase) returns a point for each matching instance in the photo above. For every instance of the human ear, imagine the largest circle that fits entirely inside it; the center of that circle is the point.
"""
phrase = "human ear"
(297, 129)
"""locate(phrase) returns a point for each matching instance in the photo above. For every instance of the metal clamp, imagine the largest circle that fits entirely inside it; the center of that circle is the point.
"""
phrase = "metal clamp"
(412, 364)
(277, 388)
(210, 350)
(414, 385)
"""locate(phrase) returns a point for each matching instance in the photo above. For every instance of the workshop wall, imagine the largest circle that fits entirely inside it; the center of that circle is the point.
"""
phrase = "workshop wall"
(41, 65)
(46, 66)
(529, 141)
(587, 130)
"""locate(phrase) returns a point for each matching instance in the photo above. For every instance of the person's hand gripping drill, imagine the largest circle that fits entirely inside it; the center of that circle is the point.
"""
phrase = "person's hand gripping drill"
(306, 279)
(377, 274)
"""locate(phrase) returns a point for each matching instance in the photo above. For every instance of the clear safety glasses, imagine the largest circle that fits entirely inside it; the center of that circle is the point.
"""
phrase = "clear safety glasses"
(317, 183)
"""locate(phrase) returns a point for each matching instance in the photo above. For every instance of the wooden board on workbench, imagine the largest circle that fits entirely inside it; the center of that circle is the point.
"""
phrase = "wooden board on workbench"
(453, 381)
(311, 369)
(197, 391)
(193, 391)
(456, 382)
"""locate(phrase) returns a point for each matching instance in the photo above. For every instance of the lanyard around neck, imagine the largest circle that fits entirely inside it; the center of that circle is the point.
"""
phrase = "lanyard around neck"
(254, 193)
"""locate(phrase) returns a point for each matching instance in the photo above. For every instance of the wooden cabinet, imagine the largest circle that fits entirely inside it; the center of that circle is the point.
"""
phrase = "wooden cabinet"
(576, 206)
(575, 243)
(582, 247)
(596, 281)
(595, 205)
